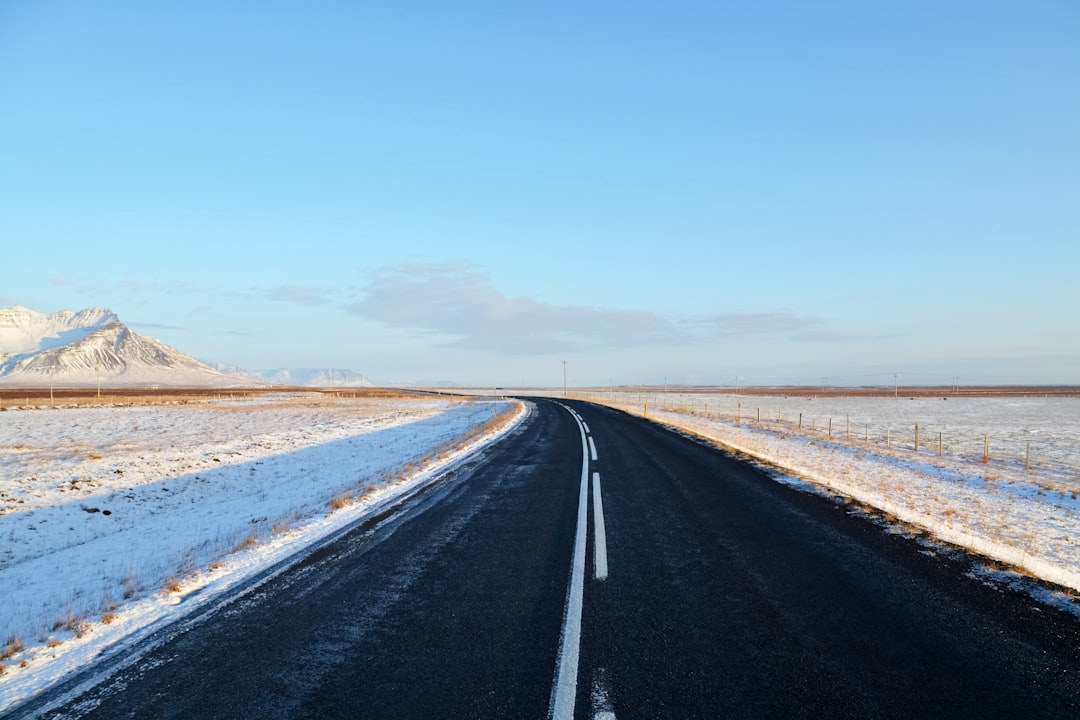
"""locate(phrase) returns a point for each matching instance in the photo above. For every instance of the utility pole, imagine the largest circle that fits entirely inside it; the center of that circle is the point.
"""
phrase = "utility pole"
(564, 378)
(896, 384)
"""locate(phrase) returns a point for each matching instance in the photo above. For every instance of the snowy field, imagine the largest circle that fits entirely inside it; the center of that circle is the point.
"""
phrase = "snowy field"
(112, 517)
(1019, 507)
(115, 521)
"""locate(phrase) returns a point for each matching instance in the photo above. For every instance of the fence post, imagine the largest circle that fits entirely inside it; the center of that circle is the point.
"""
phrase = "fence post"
(1027, 456)
(939, 444)
(738, 415)
(800, 421)
(986, 449)
(830, 428)
(888, 437)
(916, 437)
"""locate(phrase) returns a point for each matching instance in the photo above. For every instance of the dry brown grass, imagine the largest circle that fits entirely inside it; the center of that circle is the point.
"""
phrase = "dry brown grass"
(852, 391)
(108, 617)
(341, 501)
(172, 585)
(247, 543)
(13, 645)
(167, 396)
(74, 623)
(131, 583)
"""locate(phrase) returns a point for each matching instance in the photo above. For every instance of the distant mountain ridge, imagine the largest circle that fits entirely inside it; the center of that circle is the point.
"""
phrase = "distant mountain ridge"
(80, 348)
(83, 348)
(316, 377)
(301, 377)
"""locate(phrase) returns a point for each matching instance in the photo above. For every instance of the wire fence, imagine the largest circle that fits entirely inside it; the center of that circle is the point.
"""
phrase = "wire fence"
(1041, 439)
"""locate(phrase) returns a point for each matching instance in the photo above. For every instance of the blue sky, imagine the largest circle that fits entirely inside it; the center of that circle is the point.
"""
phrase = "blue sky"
(475, 192)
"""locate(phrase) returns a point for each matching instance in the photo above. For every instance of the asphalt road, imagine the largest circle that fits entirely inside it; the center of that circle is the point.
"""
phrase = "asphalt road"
(702, 590)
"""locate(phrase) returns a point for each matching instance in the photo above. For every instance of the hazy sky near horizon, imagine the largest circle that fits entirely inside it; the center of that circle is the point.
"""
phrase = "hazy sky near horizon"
(476, 192)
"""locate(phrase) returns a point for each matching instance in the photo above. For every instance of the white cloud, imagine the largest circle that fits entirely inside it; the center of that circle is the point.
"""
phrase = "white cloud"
(296, 294)
(776, 324)
(460, 301)
(156, 326)
(756, 323)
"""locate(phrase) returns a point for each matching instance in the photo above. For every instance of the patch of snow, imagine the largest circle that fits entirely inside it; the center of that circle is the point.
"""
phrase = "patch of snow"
(1021, 507)
(25, 331)
(103, 509)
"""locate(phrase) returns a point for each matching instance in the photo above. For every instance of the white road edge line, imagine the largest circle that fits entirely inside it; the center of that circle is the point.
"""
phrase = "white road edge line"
(599, 537)
(592, 448)
(586, 426)
(564, 691)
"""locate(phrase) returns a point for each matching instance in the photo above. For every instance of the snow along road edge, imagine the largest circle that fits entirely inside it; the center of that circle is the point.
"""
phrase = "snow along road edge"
(141, 626)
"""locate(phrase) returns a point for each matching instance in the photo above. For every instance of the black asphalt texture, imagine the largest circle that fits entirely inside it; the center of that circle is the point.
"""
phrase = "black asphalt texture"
(729, 595)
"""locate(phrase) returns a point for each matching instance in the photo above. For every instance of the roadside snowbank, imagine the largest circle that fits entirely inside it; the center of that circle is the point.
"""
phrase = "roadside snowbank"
(1024, 514)
(114, 521)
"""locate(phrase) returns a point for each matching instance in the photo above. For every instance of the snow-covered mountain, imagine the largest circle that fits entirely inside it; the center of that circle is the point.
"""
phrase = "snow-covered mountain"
(23, 331)
(79, 349)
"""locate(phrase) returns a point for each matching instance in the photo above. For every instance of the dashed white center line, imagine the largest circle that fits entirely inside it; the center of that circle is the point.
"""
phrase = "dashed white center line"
(564, 690)
(601, 702)
(600, 537)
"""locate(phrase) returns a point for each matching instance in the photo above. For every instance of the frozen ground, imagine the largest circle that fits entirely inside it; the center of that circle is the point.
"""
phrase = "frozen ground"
(100, 508)
(1020, 507)
(115, 519)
